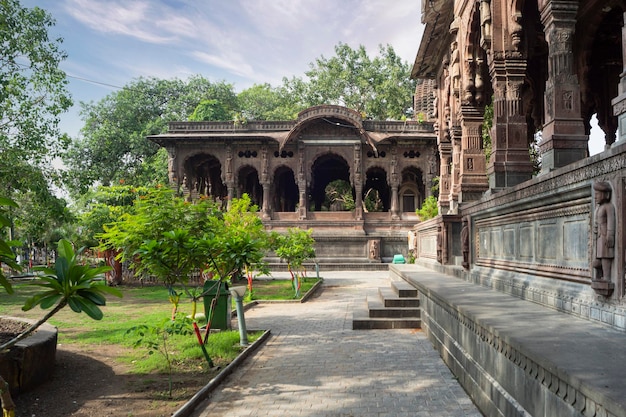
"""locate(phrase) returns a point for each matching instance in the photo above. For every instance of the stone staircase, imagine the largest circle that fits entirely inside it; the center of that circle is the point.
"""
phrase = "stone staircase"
(397, 307)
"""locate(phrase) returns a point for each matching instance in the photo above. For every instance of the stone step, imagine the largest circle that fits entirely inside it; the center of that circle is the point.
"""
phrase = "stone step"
(378, 310)
(391, 299)
(362, 321)
(404, 289)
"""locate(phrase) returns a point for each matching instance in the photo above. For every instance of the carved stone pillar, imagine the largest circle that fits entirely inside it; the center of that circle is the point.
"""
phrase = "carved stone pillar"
(445, 151)
(358, 182)
(229, 178)
(265, 209)
(563, 138)
(395, 214)
(510, 162)
(455, 170)
(619, 103)
(302, 203)
(472, 166)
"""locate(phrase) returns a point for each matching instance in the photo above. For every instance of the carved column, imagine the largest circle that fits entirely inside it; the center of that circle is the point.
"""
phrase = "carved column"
(472, 166)
(455, 170)
(265, 183)
(358, 182)
(229, 177)
(563, 137)
(510, 162)
(302, 209)
(395, 214)
(445, 152)
(619, 103)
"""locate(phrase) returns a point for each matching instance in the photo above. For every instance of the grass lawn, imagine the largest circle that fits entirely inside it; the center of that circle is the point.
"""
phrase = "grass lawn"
(146, 306)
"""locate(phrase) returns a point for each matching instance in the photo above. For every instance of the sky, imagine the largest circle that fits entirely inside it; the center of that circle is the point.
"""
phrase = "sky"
(109, 43)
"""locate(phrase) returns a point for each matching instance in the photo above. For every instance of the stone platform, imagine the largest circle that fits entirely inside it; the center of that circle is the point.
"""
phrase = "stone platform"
(518, 358)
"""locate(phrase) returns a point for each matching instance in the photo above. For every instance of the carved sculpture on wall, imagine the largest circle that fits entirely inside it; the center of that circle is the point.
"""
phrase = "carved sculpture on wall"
(374, 247)
(439, 244)
(465, 243)
(604, 238)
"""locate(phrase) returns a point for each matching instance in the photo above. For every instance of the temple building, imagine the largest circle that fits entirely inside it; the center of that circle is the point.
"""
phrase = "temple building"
(355, 182)
(523, 273)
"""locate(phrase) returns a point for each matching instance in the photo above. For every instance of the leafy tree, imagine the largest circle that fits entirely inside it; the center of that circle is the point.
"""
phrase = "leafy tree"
(379, 88)
(429, 209)
(339, 196)
(264, 102)
(210, 110)
(33, 95)
(295, 247)
(113, 146)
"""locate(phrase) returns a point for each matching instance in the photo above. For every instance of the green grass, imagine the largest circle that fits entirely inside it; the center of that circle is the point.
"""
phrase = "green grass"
(139, 306)
(279, 289)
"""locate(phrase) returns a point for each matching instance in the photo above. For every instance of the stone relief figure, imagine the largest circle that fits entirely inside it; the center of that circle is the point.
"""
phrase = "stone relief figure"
(455, 67)
(485, 20)
(439, 244)
(604, 231)
(374, 249)
(465, 243)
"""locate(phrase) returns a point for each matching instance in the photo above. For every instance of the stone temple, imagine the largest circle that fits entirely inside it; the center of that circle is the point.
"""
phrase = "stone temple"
(522, 276)
(286, 166)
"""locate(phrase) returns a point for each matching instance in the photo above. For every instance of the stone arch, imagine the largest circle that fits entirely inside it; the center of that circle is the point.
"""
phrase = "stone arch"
(412, 190)
(203, 176)
(326, 168)
(600, 63)
(376, 182)
(248, 183)
(284, 190)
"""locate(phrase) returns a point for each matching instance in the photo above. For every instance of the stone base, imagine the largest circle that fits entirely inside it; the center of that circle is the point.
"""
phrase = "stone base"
(604, 288)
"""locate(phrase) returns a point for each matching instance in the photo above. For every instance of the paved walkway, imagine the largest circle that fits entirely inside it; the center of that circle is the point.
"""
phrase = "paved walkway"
(316, 365)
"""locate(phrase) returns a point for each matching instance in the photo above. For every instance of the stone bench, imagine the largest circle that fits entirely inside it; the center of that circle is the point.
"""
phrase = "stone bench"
(517, 358)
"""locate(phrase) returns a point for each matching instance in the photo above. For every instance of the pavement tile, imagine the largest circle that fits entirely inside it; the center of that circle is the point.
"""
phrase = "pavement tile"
(316, 365)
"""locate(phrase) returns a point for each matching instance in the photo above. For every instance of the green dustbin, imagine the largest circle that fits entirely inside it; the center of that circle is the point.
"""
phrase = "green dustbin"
(398, 259)
(221, 315)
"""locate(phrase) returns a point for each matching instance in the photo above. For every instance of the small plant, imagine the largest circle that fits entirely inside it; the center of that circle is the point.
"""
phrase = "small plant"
(155, 339)
(429, 209)
(295, 247)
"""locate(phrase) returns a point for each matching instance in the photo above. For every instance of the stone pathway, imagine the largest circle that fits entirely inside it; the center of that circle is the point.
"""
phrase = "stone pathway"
(316, 365)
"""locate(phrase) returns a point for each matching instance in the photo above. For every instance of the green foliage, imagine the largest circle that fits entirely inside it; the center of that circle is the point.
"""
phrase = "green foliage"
(295, 247)
(210, 110)
(264, 102)
(379, 88)
(168, 237)
(429, 209)
(486, 130)
(71, 283)
(339, 196)
(155, 339)
(7, 256)
(114, 148)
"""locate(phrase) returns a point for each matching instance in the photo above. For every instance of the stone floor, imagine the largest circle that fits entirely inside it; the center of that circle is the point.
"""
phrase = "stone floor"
(316, 365)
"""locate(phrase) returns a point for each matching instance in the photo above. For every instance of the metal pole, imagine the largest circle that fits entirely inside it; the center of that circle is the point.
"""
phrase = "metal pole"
(243, 333)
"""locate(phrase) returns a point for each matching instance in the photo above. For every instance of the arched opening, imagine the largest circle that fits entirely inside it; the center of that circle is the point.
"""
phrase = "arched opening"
(376, 191)
(203, 176)
(248, 183)
(326, 169)
(285, 190)
(412, 190)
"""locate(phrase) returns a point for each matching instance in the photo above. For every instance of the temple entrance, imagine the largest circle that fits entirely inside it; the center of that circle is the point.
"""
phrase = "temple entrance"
(376, 191)
(412, 190)
(328, 169)
(203, 173)
(285, 190)
(249, 184)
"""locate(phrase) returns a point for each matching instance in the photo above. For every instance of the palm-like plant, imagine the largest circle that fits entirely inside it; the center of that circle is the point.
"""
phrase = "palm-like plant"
(68, 283)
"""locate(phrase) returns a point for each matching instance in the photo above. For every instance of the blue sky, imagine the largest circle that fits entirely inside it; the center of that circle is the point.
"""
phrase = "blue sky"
(242, 42)
(111, 42)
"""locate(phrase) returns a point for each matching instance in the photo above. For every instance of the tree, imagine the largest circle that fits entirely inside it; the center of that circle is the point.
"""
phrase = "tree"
(114, 147)
(33, 94)
(295, 247)
(379, 88)
(210, 110)
(264, 102)
(428, 210)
